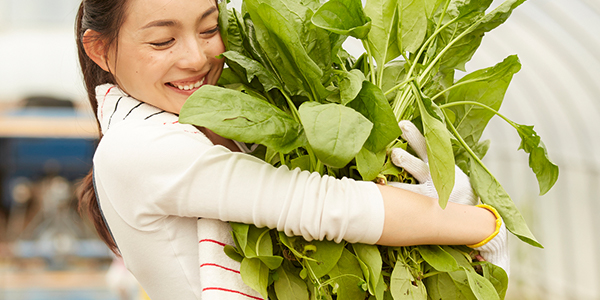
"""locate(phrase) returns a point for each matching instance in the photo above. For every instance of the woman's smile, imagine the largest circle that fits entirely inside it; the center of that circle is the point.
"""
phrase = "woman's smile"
(187, 86)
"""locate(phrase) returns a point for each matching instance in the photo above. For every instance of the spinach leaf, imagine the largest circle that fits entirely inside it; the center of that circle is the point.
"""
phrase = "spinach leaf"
(382, 39)
(403, 285)
(370, 164)
(371, 103)
(486, 86)
(351, 83)
(283, 48)
(370, 256)
(325, 257)
(253, 69)
(255, 274)
(235, 115)
(492, 193)
(335, 132)
(545, 171)
(481, 287)
(413, 20)
(439, 152)
(344, 17)
(347, 275)
(289, 285)
(439, 259)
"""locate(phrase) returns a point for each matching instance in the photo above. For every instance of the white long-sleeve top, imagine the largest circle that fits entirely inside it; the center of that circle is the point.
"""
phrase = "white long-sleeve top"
(155, 177)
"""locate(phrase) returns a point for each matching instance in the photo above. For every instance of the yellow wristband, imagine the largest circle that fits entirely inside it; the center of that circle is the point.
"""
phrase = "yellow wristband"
(498, 225)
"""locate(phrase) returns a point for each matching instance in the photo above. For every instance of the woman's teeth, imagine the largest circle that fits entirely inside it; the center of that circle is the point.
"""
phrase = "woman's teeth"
(190, 86)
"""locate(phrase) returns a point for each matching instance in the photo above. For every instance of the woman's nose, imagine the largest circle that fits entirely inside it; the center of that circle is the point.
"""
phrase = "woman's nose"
(193, 57)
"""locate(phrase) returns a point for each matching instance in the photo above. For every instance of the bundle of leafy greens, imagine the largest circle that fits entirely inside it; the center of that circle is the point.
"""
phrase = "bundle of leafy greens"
(292, 88)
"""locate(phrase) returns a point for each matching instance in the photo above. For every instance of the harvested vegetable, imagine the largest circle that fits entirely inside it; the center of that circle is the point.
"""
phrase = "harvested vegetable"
(293, 89)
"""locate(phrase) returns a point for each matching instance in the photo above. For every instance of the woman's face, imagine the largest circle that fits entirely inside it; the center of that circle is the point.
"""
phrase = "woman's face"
(167, 49)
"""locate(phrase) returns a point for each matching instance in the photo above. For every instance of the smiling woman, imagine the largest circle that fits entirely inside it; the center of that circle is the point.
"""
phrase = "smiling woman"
(153, 178)
(175, 47)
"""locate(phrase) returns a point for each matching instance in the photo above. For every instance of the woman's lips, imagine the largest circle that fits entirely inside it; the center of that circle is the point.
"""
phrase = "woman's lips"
(189, 85)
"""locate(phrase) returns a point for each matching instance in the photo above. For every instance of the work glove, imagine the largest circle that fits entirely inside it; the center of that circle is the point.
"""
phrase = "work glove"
(494, 249)
(462, 192)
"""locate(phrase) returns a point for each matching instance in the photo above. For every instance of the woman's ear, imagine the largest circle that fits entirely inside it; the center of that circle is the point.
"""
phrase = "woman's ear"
(95, 48)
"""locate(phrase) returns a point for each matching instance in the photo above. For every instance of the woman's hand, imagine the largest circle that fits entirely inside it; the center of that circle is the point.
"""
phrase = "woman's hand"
(462, 192)
(494, 249)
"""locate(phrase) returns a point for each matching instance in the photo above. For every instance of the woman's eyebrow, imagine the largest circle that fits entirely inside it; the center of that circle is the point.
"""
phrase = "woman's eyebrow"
(160, 23)
(171, 23)
(208, 12)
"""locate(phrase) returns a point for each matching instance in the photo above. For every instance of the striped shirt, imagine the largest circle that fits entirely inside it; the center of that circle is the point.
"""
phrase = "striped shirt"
(155, 177)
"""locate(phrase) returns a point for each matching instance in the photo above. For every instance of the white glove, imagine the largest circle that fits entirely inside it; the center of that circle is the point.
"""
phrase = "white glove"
(461, 193)
(495, 248)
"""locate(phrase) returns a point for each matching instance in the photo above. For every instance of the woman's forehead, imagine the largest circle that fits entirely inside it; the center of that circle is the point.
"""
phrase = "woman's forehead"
(141, 13)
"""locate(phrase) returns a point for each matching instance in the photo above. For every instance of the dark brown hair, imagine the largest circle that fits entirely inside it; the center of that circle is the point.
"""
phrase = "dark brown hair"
(105, 17)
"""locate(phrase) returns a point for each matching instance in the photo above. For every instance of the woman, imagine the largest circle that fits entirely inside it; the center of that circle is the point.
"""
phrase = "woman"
(154, 177)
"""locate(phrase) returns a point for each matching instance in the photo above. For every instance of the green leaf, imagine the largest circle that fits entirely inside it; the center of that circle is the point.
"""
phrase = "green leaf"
(492, 193)
(326, 256)
(341, 274)
(290, 286)
(438, 258)
(240, 234)
(240, 117)
(545, 171)
(228, 78)
(272, 262)
(463, 50)
(302, 162)
(279, 39)
(393, 74)
(335, 132)
(497, 276)
(403, 285)
(253, 69)
(233, 253)
(383, 38)
(487, 86)
(370, 164)
(369, 254)
(372, 104)
(439, 153)
(454, 285)
(412, 24)
(255, 274)
(259, 242)
(351, 83)
(481, 287)
(345, 17)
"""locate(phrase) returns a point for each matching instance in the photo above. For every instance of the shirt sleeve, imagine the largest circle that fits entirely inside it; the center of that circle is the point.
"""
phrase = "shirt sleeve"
(151, 171)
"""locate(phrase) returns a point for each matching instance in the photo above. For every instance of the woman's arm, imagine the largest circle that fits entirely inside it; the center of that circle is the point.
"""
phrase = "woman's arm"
(413, 219)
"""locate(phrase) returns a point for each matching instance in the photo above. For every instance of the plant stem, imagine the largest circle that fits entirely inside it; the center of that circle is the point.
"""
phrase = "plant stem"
(457, 103)
(371, 64)
(342, 63)
(430, 274)
(292, 107)
(463, 143)
(399, 85)
(457, 85)
(448, 46)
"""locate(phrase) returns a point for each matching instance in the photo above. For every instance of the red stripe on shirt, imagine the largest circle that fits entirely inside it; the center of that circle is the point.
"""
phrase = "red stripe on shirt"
(222, 267)
(231, 291)
(212, 241)
(103, 101)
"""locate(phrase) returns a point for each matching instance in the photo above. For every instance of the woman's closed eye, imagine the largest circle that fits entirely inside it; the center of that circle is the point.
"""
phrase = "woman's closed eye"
(211, 31)
(162, 44)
